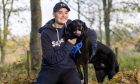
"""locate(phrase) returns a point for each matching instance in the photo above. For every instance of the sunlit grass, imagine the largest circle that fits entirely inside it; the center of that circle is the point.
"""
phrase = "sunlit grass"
(129, 61)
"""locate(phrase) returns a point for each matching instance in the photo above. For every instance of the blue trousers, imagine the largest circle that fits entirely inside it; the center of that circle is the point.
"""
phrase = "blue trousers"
(58, 76)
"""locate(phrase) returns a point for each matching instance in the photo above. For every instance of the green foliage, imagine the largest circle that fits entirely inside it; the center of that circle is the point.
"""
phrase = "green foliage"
(91, 74)
(129, 61)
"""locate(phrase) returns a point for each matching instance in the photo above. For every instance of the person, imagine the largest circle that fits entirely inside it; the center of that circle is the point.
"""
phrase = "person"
(57, 65)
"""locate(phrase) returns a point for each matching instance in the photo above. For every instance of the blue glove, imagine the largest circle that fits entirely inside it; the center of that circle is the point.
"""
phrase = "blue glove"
(76, 48)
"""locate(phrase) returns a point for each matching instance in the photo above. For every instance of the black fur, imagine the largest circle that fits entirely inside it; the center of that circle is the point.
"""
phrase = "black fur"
(104, 61)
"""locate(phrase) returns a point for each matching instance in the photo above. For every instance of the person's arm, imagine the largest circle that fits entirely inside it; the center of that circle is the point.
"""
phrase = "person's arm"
(54, 55)
(93, 41)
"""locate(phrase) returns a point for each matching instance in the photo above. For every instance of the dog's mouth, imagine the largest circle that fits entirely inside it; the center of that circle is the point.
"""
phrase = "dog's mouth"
(78, 33)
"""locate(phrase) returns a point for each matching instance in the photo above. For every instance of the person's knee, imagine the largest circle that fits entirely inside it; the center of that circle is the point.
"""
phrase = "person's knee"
(73, 79)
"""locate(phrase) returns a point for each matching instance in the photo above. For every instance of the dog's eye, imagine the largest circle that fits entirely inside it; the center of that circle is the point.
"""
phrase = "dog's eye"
(80, 29)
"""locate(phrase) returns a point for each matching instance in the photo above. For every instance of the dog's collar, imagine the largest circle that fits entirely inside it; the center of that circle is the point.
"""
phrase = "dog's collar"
(76, 49)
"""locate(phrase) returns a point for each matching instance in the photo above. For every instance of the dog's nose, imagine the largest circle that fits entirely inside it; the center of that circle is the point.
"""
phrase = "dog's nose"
(77, 32)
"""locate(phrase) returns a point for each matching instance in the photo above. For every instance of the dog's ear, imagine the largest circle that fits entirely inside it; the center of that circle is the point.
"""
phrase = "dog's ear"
(67, 30)
(84, 28)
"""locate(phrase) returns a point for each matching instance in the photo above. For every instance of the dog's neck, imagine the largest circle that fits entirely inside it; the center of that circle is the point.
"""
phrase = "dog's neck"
(79, 39)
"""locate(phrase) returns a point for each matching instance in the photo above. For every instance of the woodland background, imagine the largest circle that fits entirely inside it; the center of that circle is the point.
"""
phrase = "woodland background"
(117, 25)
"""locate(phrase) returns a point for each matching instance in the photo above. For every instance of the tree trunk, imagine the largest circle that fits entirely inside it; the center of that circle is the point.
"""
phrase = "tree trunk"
(35, 49)
(107, 5)
(2, 39)
(0, 44)
(2, 54)
(5, 31)
(100, 26)
(78, 4)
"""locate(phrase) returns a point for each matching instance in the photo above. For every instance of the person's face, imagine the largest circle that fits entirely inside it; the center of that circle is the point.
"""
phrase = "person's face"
(61, 16)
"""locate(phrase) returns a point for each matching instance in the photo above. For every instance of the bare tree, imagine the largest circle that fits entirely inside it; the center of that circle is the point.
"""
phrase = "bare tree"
(0, 29)
(78, 4)
(87, 13)
(4, 33)
(107, 5)
(35, 50)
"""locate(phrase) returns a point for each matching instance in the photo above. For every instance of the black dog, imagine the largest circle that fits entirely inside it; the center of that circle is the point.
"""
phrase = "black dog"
(104, 61)
(81, 58)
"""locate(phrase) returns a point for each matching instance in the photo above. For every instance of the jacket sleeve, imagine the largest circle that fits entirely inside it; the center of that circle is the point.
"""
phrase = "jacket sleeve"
(54, 55)
(93, 41)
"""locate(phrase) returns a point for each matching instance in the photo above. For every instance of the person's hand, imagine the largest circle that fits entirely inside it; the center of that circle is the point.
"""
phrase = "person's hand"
(72, 41)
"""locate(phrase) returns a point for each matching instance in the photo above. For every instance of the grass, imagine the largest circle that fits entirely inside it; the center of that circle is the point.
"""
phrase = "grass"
(129, 61)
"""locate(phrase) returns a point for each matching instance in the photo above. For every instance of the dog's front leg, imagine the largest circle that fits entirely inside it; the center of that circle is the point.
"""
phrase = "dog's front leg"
(85, 68)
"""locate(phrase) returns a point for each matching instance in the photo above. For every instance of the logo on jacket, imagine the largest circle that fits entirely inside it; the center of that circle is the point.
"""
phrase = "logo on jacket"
(57, 43)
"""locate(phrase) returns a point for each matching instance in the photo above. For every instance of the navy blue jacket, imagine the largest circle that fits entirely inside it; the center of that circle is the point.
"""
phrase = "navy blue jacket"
(54, 48)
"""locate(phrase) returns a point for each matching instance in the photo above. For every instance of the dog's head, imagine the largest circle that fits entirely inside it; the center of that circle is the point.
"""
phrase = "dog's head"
(75, 29)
